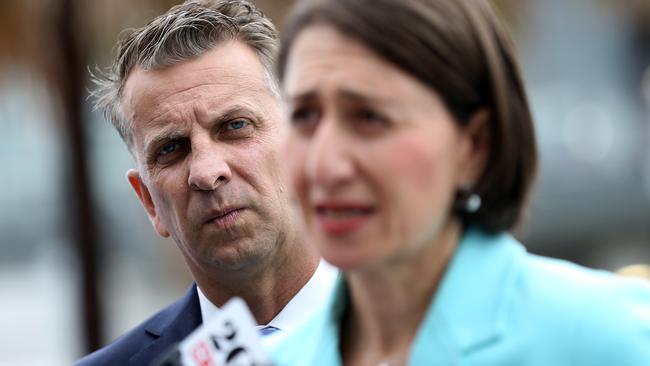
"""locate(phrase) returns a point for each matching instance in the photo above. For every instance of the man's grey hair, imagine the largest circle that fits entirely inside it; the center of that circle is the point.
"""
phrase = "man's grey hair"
(185, 32)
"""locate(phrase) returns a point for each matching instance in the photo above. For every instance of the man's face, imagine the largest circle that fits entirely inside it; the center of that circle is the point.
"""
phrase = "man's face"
(206, 137)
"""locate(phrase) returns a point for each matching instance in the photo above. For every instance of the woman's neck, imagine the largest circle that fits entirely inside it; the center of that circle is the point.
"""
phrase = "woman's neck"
(389, 301)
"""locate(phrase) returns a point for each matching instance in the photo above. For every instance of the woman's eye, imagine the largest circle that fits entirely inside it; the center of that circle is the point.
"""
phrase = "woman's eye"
(305, 118)
(370, 116)
(304, 114)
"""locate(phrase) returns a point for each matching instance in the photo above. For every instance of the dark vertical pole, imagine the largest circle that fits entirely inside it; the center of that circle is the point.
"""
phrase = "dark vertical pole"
(71, 83)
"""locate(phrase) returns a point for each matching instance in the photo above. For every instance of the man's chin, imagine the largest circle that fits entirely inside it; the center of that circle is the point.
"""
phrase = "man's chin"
(236, 257)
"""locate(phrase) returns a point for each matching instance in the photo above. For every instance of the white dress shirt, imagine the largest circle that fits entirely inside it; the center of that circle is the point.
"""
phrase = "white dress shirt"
(300, 308)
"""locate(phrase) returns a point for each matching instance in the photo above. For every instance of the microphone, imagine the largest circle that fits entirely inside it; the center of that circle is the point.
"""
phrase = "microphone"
(228, 339)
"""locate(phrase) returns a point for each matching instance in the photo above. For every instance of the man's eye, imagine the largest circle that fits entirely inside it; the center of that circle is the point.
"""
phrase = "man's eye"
(236, 129)
(169, 148)
(170, 151)
(237, 124)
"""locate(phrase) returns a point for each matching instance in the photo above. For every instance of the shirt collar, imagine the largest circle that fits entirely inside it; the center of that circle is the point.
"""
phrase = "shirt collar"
(300, 308)
(208, 309)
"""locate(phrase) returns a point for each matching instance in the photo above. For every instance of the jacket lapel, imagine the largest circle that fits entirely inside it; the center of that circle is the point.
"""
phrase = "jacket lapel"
(169, 327)
(469, 311)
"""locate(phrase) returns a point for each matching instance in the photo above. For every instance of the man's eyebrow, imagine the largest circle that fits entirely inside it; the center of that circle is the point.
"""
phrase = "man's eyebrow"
(235, 112)
(239, 111)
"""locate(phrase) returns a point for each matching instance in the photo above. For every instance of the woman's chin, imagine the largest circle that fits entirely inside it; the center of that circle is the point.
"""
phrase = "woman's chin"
(350, 261)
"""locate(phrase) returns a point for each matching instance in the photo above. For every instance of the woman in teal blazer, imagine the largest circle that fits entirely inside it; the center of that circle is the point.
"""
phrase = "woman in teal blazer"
(498, 305)
(411, 152)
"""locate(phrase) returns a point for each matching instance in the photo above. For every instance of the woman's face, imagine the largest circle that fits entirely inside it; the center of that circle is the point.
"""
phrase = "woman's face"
(374, 154)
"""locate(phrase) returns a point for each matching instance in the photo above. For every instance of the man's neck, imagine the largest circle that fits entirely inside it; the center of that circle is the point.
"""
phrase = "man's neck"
(265, 287)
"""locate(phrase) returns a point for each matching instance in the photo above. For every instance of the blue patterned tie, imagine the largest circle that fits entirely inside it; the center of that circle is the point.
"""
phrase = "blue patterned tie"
(269, 329)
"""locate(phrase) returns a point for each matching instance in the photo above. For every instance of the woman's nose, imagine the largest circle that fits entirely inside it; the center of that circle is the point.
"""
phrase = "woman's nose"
(329, 161)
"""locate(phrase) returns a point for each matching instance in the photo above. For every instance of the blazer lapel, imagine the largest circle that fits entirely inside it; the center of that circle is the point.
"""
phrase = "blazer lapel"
(169, 327)
(470, 307)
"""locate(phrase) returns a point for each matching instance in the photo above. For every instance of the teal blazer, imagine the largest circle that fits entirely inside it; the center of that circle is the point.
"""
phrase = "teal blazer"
(499, 305)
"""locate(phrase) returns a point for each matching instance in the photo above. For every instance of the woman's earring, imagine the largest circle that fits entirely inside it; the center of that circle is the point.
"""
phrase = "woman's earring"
(473, 203)
(468, 201)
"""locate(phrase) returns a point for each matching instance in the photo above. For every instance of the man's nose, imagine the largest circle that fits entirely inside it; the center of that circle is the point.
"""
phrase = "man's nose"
(209, 167)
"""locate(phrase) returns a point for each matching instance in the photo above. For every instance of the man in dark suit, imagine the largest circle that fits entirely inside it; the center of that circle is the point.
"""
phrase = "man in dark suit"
(193, 96)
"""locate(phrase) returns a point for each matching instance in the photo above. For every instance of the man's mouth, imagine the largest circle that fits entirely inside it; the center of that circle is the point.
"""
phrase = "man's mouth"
(225, 217)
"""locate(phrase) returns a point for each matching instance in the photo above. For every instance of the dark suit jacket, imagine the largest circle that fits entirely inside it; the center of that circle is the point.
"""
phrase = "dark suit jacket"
(154, 337)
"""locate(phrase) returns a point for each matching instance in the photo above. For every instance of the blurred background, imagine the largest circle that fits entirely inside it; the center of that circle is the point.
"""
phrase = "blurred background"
(79, 262)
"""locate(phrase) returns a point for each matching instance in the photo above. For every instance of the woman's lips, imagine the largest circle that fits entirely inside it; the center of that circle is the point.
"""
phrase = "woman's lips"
(342, 218)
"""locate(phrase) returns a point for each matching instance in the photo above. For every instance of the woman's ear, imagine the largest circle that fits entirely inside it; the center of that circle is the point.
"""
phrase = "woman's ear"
(476, 147)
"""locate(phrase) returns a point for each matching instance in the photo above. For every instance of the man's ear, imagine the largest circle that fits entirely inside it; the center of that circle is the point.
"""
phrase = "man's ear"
(143, 194)
(476, 147)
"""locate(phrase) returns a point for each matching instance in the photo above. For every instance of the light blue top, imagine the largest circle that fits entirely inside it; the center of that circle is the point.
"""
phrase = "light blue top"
(499, 305)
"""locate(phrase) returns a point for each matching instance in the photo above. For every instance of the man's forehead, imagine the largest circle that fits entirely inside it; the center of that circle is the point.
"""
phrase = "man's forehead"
(229, 64)
(226, 73)
(154, 93)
